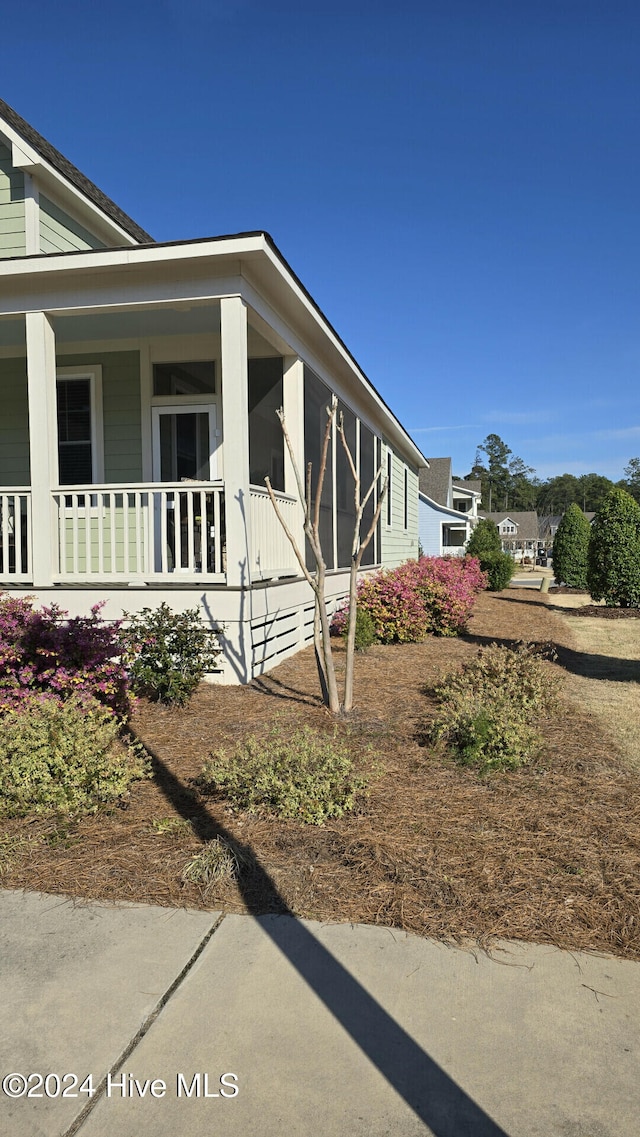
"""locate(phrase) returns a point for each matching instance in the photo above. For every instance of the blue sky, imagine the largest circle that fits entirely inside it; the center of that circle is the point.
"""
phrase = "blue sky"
(457, 184)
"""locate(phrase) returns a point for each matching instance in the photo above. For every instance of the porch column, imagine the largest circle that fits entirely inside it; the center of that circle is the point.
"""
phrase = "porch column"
(293, 407)
(235, 427)
(43, 441)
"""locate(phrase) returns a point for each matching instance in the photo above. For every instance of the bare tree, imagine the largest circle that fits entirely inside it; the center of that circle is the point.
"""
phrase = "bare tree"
(357, 549)
(322, 631)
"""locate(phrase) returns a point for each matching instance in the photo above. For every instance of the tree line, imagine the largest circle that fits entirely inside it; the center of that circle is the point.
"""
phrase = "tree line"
(508, 483)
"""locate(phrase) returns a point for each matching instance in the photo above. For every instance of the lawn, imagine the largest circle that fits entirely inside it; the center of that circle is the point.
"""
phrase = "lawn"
(549, 853)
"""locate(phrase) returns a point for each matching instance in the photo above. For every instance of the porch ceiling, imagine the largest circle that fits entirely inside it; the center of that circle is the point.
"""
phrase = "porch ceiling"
(138, 324)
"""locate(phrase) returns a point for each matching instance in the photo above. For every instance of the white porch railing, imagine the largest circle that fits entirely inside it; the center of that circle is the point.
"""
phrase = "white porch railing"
(142, 531)
(15, 534)
(271, 552)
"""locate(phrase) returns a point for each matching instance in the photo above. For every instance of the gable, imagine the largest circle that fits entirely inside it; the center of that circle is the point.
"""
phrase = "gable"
(46, 204)
(12, 225)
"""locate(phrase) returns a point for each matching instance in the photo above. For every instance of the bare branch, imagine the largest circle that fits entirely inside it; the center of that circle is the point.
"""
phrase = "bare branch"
(298, 476)
(289, 534)
(331, 413)
(346, 449)
(374, 523)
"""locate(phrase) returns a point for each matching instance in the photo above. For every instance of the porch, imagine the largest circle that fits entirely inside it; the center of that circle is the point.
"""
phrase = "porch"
(143, 533)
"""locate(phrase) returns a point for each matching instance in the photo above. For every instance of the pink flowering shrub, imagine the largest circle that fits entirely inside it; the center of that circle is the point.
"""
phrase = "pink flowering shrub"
(432, 594)
(44, 653)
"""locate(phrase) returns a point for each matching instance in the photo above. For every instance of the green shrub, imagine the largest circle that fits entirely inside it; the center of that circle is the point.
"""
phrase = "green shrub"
(65, 757)
(365, 630)
(489, 709)
(307, 776)
(613, 573)
(484, 539)
(571, 548)
(168, 653)
(499, 569)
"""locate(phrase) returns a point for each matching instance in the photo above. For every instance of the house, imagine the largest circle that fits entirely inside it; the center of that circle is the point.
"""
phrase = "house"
(138, 388)
(448, 509)
(519, 532)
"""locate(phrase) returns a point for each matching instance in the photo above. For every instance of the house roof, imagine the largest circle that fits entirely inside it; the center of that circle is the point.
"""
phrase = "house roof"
(251, 244)
(435, 480)
(472, 485)
(527, 523)
(71, 173)
(266, 268)
(462, 519)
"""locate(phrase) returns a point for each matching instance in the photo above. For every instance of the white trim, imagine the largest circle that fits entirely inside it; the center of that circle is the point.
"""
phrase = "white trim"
(25, 157)
(92, 372)
(31, 216)
(262, 273)
(176, 408)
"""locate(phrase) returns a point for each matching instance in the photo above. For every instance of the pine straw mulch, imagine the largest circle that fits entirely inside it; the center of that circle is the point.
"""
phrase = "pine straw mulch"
(599, 610)
(550, 853)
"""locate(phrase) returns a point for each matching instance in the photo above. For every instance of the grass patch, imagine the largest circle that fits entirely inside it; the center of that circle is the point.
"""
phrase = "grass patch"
(219, 860)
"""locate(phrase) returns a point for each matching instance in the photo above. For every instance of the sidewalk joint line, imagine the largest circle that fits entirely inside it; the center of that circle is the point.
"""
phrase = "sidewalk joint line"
(87, 1109)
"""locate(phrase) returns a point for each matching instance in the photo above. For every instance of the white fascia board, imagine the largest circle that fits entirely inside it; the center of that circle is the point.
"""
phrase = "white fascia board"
(443, 509)
(95, 259)
(254, 250)
(465, 492)
(394, 428)
(24, 157)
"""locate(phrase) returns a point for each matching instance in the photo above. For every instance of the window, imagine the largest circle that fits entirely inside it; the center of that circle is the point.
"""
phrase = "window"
(266, 440)
(317, 397)
(345, 504)
(79, 414)
(368, 467)
(406, 498)
(389, 468)
(171, 379)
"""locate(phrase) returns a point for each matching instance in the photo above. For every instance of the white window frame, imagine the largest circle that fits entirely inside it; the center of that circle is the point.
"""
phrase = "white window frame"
(185, 407)
(92, 372)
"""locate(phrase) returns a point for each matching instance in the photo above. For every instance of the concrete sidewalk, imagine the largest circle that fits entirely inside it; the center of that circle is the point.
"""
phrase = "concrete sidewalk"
(329, 1029)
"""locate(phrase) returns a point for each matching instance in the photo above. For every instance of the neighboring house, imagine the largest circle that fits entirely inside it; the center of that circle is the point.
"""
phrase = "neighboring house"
(138, 389)
(547, 528)
(448, 510)
(519, 532)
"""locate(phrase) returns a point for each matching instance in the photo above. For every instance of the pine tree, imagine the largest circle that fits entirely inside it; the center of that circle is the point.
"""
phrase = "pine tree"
(571, 548)
(614, 552)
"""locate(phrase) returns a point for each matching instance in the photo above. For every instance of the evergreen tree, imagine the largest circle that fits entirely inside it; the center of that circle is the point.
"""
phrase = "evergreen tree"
(571, 548)
(632, 482)
(614, 552)
(495, 487)
(484, 539)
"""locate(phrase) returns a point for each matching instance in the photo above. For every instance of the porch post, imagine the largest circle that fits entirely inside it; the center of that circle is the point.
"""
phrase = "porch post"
(235, 432)
(293, 407)
(43, 434)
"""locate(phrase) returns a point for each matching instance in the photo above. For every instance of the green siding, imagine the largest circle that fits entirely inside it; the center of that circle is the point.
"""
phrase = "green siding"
(398, 543)
(121, 416)
(59, 233)
(14, 423)
(12, 226)
(113, 554)
(121, 410)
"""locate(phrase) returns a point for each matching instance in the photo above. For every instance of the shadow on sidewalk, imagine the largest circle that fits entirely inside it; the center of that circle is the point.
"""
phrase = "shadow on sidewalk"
(432, 1095)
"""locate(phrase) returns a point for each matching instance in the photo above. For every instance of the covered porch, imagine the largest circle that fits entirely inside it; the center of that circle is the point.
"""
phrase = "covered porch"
(134, 441)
